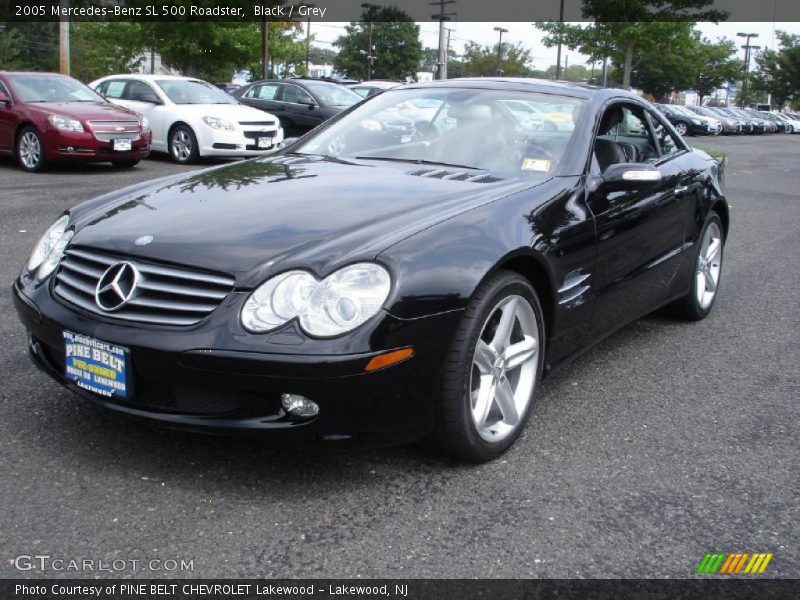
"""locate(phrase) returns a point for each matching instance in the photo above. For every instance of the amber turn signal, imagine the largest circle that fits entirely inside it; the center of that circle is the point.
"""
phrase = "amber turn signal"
(389, 358)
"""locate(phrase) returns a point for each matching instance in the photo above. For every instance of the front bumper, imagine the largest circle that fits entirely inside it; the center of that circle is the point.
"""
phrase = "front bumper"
(209, 377)
(242, 141)
(68, 145)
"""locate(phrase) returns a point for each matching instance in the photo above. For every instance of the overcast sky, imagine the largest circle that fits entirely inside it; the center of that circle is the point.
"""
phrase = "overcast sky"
(526, 33)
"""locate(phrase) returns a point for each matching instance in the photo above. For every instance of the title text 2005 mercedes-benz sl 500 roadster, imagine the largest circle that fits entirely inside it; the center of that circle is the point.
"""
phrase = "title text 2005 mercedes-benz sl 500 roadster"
(409, 270)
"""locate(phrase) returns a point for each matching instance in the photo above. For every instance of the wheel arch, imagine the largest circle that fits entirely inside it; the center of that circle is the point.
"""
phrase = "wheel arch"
(720, 207)
(532, 267)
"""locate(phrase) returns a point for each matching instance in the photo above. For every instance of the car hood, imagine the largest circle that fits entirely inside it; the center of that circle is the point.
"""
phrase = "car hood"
(230, 112)
(253, 218)
(85, 111)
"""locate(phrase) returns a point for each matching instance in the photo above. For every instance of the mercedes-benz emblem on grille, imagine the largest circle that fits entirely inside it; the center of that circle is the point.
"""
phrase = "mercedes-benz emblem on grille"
(116, 286)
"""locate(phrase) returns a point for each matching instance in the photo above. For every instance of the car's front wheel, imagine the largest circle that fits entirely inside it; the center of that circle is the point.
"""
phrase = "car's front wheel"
(30, 150)
(492, 371)
(706, 274)
(183, 145)
(681, 127)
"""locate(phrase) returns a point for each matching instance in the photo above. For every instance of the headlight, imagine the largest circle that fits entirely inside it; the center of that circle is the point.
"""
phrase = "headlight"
(339, 303)
(65, 123)
(145, 124)
(216, 123)
(50, 248)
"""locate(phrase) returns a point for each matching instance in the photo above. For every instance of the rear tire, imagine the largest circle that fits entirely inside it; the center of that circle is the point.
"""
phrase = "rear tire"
(492, 371)
(706, 274)
(30, 150)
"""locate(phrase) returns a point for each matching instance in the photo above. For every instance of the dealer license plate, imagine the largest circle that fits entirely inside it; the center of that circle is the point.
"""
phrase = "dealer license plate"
(122, 146)
(96, 366)
(264, 142)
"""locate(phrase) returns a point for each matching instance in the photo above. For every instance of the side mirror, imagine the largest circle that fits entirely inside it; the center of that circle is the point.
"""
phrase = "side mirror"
(629, 176)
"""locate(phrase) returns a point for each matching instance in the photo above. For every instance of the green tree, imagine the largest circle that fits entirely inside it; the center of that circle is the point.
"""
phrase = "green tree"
(621, 27)
(29, 46)
(103, 48)
(321, 56)
(715, 65)
(778, 71)
(482, 60)
(396, 47)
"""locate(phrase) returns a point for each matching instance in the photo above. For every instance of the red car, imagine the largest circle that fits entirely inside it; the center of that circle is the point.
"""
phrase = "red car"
(46, 117)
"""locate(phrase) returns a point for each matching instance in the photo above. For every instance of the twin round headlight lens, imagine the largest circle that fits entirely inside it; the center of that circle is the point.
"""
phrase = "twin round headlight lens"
(50, 248)
(337, 304)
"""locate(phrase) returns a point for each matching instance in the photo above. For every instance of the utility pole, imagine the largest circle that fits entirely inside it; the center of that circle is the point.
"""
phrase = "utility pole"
(566, 67)
(558, 56)
(265, 47)
(63, 39)
(441, 63)
(605, 71)
(308, 35)
(502, 30)
(370, 57)
(747, 48)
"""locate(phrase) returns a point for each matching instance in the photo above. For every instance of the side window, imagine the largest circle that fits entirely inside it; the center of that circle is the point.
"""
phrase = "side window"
(115, 88)
(4, 89)
(624, 135)
(139, 91)
(633, 125)
(667, 144)
(266, 91)
(292, 93)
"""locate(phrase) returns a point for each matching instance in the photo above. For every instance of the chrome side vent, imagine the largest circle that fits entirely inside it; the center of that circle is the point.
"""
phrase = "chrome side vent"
(470, 176)
(163, 294)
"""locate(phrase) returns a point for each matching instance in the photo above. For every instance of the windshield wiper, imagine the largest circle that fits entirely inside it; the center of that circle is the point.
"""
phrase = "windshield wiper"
(418, 161)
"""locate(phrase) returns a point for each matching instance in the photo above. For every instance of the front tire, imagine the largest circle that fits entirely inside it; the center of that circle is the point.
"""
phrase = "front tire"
(492, 370)
(30, 150)
(682, 128)
(183, 145)
(707, 273)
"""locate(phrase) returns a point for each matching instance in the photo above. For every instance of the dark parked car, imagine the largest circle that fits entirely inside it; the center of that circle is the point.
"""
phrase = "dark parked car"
(367, 89)
(685, 122)
(729, 124)
(228, 88)
(47, 117)
(298, 103)
(413, 290)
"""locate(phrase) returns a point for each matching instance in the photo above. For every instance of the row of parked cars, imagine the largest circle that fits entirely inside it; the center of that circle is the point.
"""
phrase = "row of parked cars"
(708, 120)
(46, 117)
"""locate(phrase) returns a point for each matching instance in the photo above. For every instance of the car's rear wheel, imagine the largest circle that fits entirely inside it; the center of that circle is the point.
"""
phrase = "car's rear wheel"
(492, 370)
(125, 164)
(183, 145)
(30, 150)
(681, 127)
(707, 273)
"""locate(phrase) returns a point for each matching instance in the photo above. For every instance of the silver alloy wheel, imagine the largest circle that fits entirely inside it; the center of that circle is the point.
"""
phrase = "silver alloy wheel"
(30, 150)
(709, 265)
(681, 128)
(504, 369)
(181, 145)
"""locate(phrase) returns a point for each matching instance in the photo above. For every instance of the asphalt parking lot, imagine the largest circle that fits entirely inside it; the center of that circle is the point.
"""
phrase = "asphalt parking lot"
(667, 441)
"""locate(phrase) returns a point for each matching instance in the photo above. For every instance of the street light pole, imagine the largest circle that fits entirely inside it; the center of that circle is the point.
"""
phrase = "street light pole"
(501, 30)
(441, 61)
(369, 7)
(747, 48)
(558, 56)
(308, 36)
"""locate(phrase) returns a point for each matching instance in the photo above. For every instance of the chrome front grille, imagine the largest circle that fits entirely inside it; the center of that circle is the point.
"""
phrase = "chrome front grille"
(164, 295)
(116, 130)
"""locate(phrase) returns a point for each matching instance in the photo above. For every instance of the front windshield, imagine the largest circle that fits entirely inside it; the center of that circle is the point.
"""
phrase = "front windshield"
(493, 130)
(333, 94)
(193, 91)
(51, 88)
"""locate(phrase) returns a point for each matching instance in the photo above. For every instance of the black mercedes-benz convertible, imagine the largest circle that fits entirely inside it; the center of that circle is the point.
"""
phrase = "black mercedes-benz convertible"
(409, 270)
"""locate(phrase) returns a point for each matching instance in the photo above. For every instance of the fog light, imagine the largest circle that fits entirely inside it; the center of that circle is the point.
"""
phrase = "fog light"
(299, 406)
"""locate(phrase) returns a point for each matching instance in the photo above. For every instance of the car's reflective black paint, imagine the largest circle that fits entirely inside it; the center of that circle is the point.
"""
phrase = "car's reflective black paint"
(598, 259)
